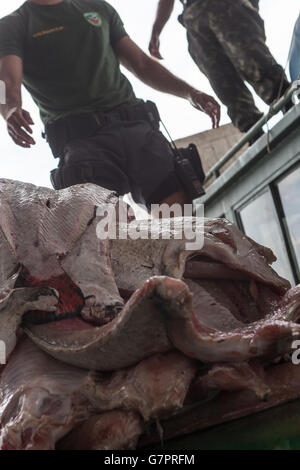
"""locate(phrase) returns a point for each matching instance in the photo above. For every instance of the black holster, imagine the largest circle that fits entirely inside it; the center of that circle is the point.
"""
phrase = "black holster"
(189, 170)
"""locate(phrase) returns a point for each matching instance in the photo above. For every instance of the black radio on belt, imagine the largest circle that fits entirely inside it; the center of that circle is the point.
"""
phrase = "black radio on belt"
(189, 170)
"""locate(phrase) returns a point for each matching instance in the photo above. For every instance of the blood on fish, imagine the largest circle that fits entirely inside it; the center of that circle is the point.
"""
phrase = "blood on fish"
(71, 300)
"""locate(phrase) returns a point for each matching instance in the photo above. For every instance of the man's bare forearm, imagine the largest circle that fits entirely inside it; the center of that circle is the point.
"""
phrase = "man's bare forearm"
(18, 120)
(13, 100)
(164, 11)
(153, 74)
(11, 71)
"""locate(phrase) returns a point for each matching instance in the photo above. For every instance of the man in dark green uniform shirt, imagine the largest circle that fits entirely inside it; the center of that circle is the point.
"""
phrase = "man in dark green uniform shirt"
(67, 53)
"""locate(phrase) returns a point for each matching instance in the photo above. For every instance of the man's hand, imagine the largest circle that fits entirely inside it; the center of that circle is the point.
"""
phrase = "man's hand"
(164, 11)
(18, 121)
(154, 46)
(18, 126)
(207, 104)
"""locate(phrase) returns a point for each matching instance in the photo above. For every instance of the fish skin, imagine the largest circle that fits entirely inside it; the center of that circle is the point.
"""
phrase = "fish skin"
(117, 430)
(15, 304)
(267, 338)
(135, 261)
(43, 399)
(41, 229)
(139, 330)
(160, 316)
(61, 237)
(233, 377)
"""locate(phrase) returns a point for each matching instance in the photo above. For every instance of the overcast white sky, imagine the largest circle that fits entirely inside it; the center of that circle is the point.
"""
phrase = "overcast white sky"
(34, 165)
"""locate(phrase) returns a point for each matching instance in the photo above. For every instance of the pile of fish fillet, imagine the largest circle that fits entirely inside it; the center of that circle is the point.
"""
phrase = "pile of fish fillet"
(104, 337)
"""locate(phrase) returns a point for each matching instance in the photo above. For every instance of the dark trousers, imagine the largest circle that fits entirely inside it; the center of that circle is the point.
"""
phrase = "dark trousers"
(227, 41)
(124, 153)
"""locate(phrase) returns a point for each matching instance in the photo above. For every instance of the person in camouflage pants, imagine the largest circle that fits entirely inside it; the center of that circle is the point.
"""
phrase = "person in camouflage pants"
(227, 41)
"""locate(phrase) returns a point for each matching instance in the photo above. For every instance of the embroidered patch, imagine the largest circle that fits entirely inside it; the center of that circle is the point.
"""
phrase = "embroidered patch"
(93, 18)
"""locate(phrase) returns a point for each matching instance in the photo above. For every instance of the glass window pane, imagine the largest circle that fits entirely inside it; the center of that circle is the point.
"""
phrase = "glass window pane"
(289, 190)
(260, 222)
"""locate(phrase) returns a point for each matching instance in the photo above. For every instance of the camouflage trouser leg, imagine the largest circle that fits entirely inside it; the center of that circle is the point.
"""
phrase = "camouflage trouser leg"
(226, 82)
(227, 41)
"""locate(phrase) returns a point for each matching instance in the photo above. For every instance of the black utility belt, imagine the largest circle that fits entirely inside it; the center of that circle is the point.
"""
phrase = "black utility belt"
(80, 126)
